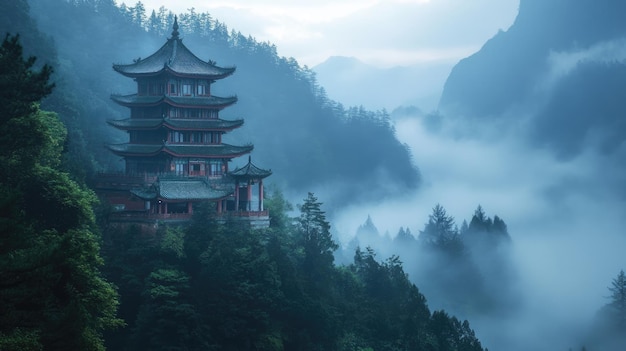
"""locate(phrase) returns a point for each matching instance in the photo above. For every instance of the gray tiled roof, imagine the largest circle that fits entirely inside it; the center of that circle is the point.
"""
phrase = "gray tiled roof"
(199, 101)
(189, 189)
(184, 150)
(176, 123)
(201, 124)
(183, 189)
(137, 149)
(175, 57)
(250, 171)
(207, 150)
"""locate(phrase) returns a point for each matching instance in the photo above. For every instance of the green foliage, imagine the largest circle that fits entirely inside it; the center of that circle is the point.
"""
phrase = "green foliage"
(313, 233)
(52, 292)
(256, 289)
(241, 289)
(21, 86)
(20, 340)
(166, 319)
(173, 242)
(452, 334)
(279, 209)
(441, 232)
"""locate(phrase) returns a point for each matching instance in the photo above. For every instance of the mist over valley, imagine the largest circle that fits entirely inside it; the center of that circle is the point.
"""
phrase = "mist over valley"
(441, 205)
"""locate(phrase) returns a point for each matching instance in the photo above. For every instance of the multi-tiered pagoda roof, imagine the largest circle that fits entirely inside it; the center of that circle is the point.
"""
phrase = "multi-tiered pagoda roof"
(176, 59)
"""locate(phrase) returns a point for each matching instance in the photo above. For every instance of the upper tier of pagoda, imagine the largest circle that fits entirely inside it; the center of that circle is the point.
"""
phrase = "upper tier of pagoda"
(174, 58)
(250, 172)
(196, 124)
(177, 101)
(181, 150)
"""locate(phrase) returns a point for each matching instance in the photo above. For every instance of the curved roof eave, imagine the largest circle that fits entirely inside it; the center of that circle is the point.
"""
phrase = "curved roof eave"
(207, 151)
(171, 100)
(175, 58)
(134, 100)
(122, 150)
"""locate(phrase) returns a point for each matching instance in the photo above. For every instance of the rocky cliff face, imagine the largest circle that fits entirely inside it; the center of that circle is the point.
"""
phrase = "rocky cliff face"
(562, 62)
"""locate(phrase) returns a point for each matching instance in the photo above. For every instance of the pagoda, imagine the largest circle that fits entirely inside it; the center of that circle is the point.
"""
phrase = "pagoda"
(175, 157)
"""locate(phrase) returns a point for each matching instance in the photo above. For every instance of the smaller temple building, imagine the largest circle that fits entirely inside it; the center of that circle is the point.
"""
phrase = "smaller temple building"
(175, 157)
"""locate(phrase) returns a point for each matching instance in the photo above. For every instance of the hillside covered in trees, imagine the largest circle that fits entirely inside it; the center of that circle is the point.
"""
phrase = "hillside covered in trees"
(71, 280)
(203, 286)
(309, 141)
(196, 287)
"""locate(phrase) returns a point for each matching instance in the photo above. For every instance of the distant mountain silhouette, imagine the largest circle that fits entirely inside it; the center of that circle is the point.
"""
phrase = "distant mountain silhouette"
(355, 83)
(561, 62)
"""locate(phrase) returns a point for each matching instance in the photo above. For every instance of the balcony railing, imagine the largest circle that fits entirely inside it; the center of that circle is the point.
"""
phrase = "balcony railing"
(185, 216)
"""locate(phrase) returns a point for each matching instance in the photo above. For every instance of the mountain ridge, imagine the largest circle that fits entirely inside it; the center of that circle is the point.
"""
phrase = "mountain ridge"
(356, 83)
(507, 77)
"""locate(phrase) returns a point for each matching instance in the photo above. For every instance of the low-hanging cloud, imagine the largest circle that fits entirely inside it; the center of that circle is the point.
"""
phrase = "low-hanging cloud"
(561, 63)
(566, 219)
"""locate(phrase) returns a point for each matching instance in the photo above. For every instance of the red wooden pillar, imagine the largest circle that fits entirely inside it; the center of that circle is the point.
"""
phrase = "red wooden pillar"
(249, 195)
(219, 206)
(189, 208)
(260, 194)
(237, 196)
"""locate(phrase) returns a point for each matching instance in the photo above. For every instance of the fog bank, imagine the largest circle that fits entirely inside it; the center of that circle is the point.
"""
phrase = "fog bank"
(566, 219)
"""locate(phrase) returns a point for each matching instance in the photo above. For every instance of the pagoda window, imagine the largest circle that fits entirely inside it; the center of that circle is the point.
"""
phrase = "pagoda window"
(142, 88)
(173, 87)
(174, 112)
(209, 114)
(202, 88)
(186, 88)
(179, 137)
(211, 138)
(180, 169)
(179, 165)
(190, 113)
(156, 88)
(197, 167)
(215, 168)
(196, 137)
(204, 113)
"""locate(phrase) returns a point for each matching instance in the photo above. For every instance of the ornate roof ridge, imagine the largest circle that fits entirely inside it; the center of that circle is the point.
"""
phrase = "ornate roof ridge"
(199, 101)
(250, 171)
(174, 57)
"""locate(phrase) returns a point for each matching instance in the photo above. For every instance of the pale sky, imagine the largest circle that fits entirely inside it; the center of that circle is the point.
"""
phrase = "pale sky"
(379, 32)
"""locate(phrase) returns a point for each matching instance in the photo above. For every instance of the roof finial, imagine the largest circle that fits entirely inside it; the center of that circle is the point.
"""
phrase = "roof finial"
(249, 158)
(175, 32)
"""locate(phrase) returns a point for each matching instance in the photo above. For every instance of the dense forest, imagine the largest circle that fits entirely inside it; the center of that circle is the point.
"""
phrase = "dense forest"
(72, 280)
(201, 286)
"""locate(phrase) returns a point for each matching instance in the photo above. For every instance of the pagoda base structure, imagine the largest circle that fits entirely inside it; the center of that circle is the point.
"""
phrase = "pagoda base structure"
(171, 199)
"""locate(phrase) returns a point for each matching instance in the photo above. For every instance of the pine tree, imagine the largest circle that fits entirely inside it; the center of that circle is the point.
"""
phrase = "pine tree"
(314, 232)
(314, 226)
(617, 306)
(441, 232)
